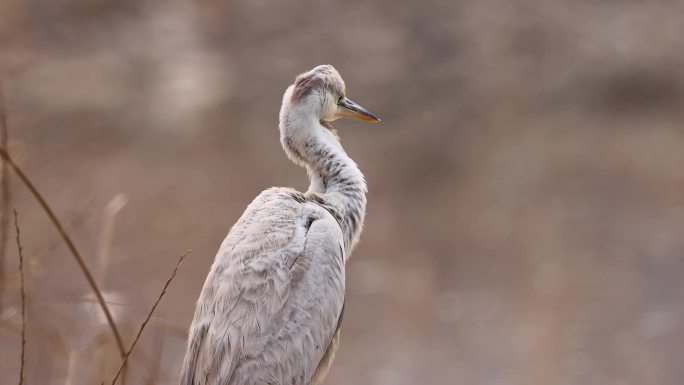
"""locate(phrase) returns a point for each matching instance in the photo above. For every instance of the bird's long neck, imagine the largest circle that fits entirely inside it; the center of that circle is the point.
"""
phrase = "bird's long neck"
(332, 173)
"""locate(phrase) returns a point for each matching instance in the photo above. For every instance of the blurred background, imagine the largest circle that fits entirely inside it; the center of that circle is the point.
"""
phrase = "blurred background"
(526, 208)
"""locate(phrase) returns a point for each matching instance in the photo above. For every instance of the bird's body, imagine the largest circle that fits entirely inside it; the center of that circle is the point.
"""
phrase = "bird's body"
(271, 306)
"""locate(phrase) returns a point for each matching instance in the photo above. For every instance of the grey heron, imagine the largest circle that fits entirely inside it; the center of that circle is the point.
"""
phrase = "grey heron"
(272, 303)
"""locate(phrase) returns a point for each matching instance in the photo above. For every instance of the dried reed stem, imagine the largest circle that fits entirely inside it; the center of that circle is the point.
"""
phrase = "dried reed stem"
(34, 259)
(72, 247)
(73, 365)
(111, 210)
(5, 188)
(23, 300)
(149, 315)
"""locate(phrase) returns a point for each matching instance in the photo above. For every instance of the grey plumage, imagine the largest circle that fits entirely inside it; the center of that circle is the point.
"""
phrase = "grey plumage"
(271, 306)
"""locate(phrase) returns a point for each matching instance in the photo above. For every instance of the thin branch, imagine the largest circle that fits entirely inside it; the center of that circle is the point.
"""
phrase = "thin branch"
(34, 259)
(23, 300)
(149, 315)
(5, 188)
(72, 247)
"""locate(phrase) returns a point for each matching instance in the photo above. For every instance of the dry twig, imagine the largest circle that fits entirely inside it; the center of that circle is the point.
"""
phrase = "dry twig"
(4, 187)
(23, 299)
(33, 260)
(72, 247)
(149, 315)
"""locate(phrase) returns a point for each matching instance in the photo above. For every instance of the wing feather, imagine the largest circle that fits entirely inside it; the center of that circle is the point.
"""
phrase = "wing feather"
(267, 302)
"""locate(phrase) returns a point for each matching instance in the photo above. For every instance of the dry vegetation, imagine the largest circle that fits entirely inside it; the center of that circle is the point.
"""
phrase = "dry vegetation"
(109, 220)
(20, 251)
(526, 205)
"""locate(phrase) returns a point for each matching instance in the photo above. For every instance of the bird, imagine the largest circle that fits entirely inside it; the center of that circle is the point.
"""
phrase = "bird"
(271, 307)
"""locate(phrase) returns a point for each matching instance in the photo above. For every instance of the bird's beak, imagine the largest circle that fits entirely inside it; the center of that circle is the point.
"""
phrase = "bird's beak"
(348, 108)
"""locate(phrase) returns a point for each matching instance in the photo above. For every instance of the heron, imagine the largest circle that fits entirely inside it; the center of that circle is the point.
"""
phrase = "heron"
(271, 307)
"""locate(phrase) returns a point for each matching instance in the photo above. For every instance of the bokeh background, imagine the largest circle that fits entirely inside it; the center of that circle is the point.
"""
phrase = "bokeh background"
(526, 208)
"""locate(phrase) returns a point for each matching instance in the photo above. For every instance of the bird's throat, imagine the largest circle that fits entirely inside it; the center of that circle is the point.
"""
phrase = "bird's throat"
(332, 173)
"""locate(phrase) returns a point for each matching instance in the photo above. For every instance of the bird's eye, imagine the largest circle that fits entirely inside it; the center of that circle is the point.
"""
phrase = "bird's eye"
(340, 99)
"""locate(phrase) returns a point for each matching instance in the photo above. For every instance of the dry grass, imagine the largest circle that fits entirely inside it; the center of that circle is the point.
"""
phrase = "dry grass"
(4, 189)
(72, 247)
(108, 223)
(23, 299)
(149, 315)
(111, 210)
(107, 229)
(34, 261)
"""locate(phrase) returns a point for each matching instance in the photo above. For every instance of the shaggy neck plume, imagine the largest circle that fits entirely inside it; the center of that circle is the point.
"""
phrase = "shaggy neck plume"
(333, 174)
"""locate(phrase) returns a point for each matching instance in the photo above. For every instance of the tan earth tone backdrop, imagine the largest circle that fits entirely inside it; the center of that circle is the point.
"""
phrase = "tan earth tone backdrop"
(526, 208)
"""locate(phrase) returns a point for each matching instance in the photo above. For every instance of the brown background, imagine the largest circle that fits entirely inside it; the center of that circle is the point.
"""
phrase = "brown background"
(526, 207)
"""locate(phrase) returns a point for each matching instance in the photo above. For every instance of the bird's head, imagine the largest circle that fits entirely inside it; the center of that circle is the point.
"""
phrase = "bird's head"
(322, 92)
